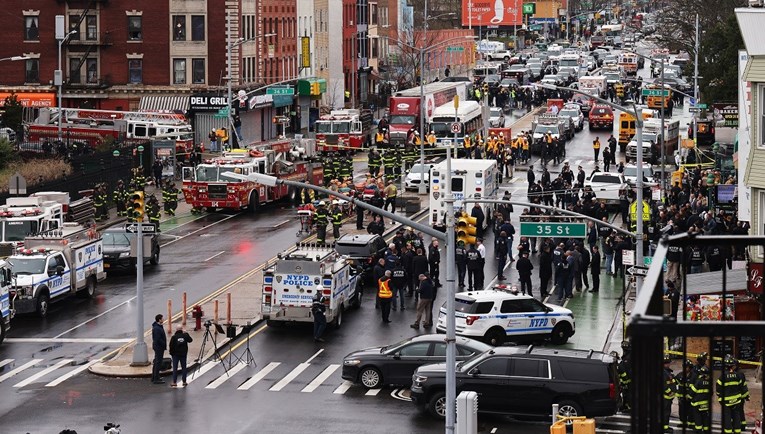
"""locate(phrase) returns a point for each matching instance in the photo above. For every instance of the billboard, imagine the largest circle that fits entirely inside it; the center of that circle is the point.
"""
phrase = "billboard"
(493, 13)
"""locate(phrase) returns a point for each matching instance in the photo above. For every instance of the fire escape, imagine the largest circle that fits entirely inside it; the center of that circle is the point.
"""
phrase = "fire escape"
(85, 42)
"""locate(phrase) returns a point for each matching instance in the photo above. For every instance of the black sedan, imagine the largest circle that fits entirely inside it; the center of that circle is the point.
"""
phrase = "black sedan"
(395, 364)
(118, 251)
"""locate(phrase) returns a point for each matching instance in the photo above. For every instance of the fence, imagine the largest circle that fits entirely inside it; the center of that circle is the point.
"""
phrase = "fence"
(717, 331)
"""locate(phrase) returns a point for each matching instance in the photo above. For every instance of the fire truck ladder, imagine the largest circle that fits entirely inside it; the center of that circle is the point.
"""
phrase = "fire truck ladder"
(166, 118)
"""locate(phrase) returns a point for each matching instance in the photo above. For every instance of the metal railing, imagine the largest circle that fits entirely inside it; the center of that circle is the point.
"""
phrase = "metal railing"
(649, 325)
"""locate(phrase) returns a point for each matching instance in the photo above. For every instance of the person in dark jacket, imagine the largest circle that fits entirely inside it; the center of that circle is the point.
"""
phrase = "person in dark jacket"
(425, 305)
(179, 349)
(377, 226)
(159, 345)
(595, 269)
(434, 260)
(474, 268)
(585, 260)
(545, 270)
(398, 283)
(378, 271)
(419, 266)
(460, 257)
(319, 318)
(477, 212)
(500, 254)
(524, 268)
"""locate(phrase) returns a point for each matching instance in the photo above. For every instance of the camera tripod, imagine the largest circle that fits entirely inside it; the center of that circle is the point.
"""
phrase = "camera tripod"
(246, 357)
(209, 336)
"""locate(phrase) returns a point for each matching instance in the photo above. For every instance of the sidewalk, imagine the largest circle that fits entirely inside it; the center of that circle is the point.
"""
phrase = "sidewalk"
(245, 292)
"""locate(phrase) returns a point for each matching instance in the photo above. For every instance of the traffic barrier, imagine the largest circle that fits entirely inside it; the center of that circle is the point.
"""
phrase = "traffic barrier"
(228, 308)
(692, 355)
(215, 312)
(185, 311)
(169, 316)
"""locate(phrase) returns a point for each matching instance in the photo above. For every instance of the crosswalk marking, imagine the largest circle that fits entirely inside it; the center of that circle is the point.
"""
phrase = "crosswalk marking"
(222, 379)
(5, 362)
(259, 376)
(71, 374)
(289, 377)
(313, 385)
(372, 392)
(21, 368)
(43, 373)
(202, 370)
(341, 389)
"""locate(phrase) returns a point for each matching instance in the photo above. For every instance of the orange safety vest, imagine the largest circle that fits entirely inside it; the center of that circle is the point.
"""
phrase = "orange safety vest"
(596, 144)
(383, 290)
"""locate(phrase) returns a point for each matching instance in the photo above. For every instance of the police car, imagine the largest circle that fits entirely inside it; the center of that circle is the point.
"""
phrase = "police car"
(503, 313)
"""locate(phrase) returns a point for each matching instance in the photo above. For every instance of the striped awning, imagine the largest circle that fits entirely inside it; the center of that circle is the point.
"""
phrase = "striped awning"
(165, 103)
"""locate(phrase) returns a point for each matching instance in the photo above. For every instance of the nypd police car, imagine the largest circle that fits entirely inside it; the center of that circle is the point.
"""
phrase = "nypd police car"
(502, 313)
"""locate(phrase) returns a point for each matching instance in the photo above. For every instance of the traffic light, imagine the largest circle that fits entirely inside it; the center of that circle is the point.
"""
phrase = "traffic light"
(315, 88)
(137, 202)
(486, 88)
(466, 229)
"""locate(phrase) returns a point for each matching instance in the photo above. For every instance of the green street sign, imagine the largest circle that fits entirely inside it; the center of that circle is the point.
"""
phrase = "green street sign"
(701, 106)
(529, 8)
(571, 230)
(280, 91)
(455, 48)
(223, 112)
(218, 116)
(655, 92)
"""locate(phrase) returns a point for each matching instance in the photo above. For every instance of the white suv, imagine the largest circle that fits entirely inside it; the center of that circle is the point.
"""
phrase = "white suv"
(502, 313)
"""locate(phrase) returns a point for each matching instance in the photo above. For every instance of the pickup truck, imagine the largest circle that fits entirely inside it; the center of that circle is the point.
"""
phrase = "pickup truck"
(607, 186)
(54, 265)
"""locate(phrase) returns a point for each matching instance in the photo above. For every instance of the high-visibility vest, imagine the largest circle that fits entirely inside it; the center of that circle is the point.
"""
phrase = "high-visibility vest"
(596, 144)
(379, 137)
(431, 139)
(467, 142)
(383, 290)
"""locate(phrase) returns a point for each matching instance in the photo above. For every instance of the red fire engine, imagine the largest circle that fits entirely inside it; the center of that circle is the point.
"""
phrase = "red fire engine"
(93, 126)
(207, 186)
(343, 130)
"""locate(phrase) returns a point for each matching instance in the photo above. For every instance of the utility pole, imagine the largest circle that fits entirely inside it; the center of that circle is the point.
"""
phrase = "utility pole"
(661, 133)
(639, 198)
(421, 189)
(451, 325)
(229, 47)
(696, 80)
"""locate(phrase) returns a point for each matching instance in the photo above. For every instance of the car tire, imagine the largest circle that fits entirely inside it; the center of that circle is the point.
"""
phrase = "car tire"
(272, 323)
(90, 289)
(560, 333)
(437, 405)
(495, 337)
(590, 126)
(569, 408)
(370, 377)
(254, 202)
(338, 322)
(42, 304)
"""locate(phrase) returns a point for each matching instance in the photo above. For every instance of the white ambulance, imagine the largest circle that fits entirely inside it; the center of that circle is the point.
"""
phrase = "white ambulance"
(471, 179)
(296, 277)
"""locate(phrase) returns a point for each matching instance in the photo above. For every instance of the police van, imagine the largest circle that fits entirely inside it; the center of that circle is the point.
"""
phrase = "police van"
(470, 178)
(311, 270)
(502, 313)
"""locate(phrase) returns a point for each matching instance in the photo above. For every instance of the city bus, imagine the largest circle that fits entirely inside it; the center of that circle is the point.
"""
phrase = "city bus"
(469, 115)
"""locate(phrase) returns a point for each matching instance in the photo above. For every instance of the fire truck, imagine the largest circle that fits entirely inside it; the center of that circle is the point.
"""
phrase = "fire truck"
(94, 126)
(343, 130)
(208, 186)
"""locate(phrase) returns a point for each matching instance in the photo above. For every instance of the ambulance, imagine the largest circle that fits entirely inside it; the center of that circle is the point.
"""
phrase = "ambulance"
(470, 179)
(311, 270)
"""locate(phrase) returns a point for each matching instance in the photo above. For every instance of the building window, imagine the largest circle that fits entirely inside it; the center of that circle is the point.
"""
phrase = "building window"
(134, 28)
(31, 31)
(91, 28)
(135, 71)
(32, 70)
(198, 71)
(197, 28)
(74, 71)
(179, 27)
(74, 27)
(91, 65)
(374, 43)
(179, 71)
(761, 108)
(374, 14)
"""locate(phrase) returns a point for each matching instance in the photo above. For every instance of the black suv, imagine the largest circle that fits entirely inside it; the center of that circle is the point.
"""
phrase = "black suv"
(526, 381)
(364, 250)
(119, 246)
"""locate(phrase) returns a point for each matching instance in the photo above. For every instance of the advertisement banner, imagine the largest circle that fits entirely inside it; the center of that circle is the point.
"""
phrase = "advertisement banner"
(744, 137)
(491, 12)
(727, 113)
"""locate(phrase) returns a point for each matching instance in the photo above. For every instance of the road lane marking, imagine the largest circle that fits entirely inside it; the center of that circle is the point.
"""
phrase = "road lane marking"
(372, 392)
(43, 373)
(215, 255)
(228, 374)
(314, 356)
(493, 430)
(202, 370)
(291, 376)
(6, 361)
(199, 230)
(399, 394)
(278, 225)
(313, 385)
(259, 376)
(57, 340)
(95, 317)
(71, 374)
(341, 389)
(21, 368)
(243, 341)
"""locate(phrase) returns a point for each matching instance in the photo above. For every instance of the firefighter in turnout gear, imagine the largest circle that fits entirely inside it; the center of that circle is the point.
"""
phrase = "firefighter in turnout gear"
(684, 382)
(668, 393)
(336, 214)
(329, 171)
(699, 396)
(320, 217)
(374, 162)
(624, 369)
(729, 393)
(170, 197)
(411, 155)
(346, 169)
(152, 210)
(744, 395)
(138, 182)
(120, 197)
(389, 161)
(99, 202)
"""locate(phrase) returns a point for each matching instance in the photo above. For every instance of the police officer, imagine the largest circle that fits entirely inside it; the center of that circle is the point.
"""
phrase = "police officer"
(152, 210)
(700, 393)
(336, 214)
(321, 219)
(319, 319)
(399, 283)
(624, 369)
(170, 198)
(668, 393)
(461, 261)
(120, 196)
(474, 267)
(384, 295)
(729, 394)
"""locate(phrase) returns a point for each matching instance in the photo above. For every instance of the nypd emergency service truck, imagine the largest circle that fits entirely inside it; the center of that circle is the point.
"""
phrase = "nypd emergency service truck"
(312, 270)
(6, 314)
(470, 178)
(56, 264)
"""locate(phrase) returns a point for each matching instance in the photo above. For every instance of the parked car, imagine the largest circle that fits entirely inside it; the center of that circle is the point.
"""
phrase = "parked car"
(526, 381)
(415, 175)
(607, 186)
(394, 364)
(120, 250)
(500, 55)
(362, 250)
(496, 117)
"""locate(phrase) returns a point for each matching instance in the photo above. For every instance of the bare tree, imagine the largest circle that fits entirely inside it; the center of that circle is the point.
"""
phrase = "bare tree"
(333, 98)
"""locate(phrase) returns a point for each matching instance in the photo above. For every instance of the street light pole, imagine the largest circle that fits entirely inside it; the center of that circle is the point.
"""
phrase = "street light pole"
(58, 76)
(661, 133)
(229, 118)
(422, 188)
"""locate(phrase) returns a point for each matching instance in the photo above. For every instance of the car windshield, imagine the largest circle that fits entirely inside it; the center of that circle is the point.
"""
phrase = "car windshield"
(605, 179)
(27, 265)
(600, 111)
(569, 112)
(341, 127)
(115, 239)
(401, 119)
(216, 173)
(417, 168)
(441, 129)
(544, 129)
(631, 171)
(323, 127)
(495, 112)
(612, 76)
(18, 230)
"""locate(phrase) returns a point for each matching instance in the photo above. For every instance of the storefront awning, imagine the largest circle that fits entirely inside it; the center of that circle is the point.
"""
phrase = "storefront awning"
(304, 86)
(164, 103)
(31, 99)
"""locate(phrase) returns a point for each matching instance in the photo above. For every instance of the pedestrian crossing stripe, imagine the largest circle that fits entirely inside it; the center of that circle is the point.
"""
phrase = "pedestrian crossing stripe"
(201, 371)
(289, 377)
(43, 373)
(19, 369)
(259, 376)
(228, 374)
(326, 373)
